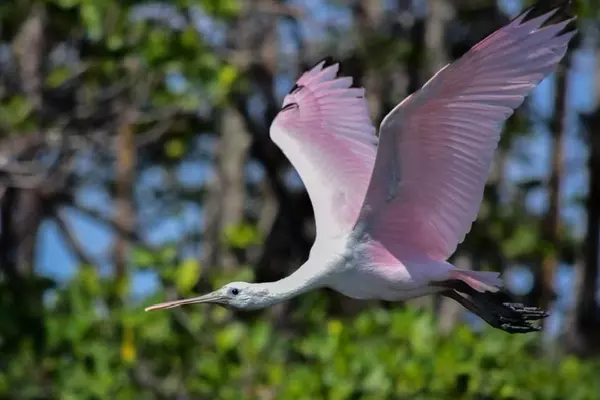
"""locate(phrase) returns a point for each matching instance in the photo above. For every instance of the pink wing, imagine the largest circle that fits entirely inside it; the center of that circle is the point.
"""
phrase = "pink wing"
(324, 129)
(436, 147)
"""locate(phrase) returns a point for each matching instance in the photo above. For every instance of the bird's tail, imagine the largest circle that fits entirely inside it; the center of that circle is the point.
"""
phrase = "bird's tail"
(482, 281)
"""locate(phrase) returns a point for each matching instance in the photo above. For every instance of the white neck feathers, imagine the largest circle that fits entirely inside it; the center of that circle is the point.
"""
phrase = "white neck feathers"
(309, 276)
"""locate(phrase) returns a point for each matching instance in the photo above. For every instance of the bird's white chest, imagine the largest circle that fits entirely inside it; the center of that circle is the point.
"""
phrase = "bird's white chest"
(365, 284)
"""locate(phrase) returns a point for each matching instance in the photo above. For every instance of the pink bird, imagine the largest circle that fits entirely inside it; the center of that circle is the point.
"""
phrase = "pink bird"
(391, 210)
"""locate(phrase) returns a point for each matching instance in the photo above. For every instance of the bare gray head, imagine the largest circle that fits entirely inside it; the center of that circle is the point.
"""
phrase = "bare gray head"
(253, 296)
(240, 295)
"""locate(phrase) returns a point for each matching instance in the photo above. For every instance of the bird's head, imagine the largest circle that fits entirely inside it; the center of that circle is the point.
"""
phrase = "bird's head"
(240, 295)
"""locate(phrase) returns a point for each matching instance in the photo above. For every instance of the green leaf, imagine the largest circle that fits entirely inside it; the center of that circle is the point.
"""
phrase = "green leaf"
(242, 236)
(175, 148)
(261, 333)
(230, 8)
(229, 337)
(92, 18)
(115, 42)
(158, 45)
(90, 279)
(523, 241)
(68, 3)
(16, 110)
(142, 257)
(187, 275)
(227, 76)
(190, 38)
(189, 101)
(58, 76)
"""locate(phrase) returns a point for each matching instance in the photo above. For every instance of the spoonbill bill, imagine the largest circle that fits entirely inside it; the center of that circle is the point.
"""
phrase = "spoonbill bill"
(391, 209)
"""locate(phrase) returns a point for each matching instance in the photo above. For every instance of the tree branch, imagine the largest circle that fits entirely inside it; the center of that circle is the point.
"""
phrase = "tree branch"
(130, 235)
(71, 239)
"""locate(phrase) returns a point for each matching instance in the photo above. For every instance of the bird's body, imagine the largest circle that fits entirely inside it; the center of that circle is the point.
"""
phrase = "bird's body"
(391, 209)
(361, 268)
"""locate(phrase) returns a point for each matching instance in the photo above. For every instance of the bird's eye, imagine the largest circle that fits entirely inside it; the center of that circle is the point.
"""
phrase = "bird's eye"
(235, 291)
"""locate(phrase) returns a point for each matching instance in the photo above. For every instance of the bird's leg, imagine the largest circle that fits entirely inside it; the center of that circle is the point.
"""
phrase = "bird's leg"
(495, 308)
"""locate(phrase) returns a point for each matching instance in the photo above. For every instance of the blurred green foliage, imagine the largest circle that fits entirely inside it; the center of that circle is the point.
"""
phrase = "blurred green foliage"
(92, 352)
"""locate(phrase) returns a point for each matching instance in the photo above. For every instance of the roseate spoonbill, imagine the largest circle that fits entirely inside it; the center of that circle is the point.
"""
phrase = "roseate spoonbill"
(388, 216)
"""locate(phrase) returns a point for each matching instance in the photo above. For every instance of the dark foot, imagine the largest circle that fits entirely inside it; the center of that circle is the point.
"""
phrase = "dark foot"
(515, 318)
(510, 317)
(497, 310)
(532, 313)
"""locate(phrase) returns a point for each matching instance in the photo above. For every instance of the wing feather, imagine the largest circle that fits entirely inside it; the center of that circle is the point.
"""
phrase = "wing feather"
(325, 130)
(436, 147)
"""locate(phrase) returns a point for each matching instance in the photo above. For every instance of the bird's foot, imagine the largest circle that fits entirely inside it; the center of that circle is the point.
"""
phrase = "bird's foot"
(514, 317)
(495, 308)
(531, 313)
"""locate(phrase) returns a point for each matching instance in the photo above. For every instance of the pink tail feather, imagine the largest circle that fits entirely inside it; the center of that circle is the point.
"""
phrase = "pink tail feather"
(482, 281)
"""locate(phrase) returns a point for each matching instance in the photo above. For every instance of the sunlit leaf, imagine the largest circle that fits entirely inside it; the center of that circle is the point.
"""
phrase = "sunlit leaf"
(115, 42)
(92, 17)
(229, 337)
(175, 148)
(187, 275)
(523, 240)
(16, 110)
(242, 235)
(128, 350)
(68, 3)
(58, 76)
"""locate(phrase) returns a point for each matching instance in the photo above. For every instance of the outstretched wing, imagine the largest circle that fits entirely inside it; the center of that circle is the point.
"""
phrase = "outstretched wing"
(324, 129)
(436, 147)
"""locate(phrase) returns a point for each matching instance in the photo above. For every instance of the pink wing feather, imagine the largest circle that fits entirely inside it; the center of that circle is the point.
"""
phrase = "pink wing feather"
(325, 130)
(436, 147)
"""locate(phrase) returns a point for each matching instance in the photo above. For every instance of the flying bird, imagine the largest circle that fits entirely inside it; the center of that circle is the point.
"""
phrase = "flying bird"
(391, 209)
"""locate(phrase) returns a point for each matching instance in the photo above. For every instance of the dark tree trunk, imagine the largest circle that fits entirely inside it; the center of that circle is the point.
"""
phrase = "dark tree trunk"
(227, 193)
(124, 201)
(543, 293)
(21, 213)
(583, 329)
(8, 259)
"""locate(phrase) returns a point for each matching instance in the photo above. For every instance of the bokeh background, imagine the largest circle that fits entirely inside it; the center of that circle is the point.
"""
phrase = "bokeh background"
(136, 166)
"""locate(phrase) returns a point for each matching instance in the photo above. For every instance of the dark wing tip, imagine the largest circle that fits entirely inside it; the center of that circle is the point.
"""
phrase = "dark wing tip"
(571, 27)
(327, 61)
(295, 88)
(561, 10)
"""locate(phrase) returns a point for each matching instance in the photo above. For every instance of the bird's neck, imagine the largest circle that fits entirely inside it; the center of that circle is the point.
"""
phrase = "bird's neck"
(308, 277)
